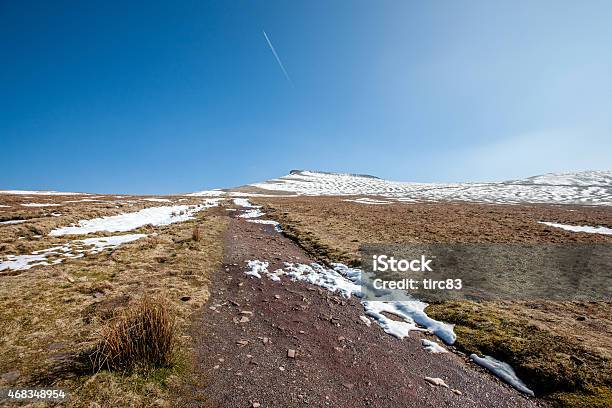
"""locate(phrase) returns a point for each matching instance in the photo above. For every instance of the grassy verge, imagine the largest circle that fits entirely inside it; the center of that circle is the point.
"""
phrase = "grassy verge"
(52, 315)
(554, 364)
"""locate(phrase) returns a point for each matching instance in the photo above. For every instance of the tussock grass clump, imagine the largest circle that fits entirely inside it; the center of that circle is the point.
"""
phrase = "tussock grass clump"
(196, 235)
(143, 336)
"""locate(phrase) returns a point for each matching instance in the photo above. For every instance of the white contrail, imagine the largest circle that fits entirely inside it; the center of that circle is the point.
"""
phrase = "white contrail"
(280, 63)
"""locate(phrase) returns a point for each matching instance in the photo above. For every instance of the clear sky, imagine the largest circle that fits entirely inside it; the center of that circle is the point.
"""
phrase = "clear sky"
(177, 96)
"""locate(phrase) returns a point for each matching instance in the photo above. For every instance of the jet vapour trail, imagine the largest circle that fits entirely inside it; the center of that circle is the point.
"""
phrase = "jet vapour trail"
(280, 63)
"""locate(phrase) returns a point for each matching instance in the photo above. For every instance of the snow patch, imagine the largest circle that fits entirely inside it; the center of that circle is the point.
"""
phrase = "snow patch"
(207, 193)
(72, 249)
(276, 225)
(256, 268)
(10, 222)
(580, 228)
(40, 205)
(502, 370)
(346, 281)
(253, 213)
(433, 347)
(370, 201)
(125, 222)
(244, 202)
(157, 200)
(330, 279)
(102, 243)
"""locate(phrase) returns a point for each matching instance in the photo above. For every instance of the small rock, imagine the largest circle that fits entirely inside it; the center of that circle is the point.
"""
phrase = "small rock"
(365, 320)
(242, 343)
(69, 278)
(246, 312)
(281, 368)
(276, 296)
(436, 381)
(256, 405)
(244, 319)
(291, 353)
(341, 338)
(11, 376)
(457, 392)
(348, 385)
(576, 360)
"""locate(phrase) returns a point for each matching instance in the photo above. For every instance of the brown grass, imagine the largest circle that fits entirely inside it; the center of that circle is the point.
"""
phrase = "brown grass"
(195, 234)
(51, 315)
(333, 229)
(143, 336)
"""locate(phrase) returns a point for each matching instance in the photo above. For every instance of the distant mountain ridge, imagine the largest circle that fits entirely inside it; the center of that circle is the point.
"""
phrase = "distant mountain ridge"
(587, 187)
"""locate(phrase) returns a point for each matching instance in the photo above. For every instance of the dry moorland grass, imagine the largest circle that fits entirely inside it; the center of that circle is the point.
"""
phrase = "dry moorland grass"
(53, 317)
(563, 350)
(32, 234)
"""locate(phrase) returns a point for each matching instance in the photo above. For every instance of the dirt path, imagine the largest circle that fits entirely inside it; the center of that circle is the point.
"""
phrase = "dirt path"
(243, 360)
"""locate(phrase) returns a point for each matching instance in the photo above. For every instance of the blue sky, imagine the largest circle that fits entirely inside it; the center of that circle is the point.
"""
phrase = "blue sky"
(163, 97)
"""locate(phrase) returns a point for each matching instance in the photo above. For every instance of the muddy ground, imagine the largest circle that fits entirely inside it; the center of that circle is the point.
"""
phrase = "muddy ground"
(243, 336)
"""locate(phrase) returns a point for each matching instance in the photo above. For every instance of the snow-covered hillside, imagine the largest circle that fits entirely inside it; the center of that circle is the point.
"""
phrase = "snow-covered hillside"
(594, 188)
(581, 179)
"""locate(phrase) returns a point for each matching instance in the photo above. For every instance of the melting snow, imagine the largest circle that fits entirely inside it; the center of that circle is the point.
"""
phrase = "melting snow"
(253, 213)
(276, 225)
(85, 200)
(433, 347)
(125, 222)
(330, 279)
(102, 243)
(12, 222)
(257, 268)
(207, 193)
(366, 200)
(158, 200)
(412, 313)
(580, 228)
(244, 202)
(346, 281)
(40, 205)
(502, 370)
(72, 249)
